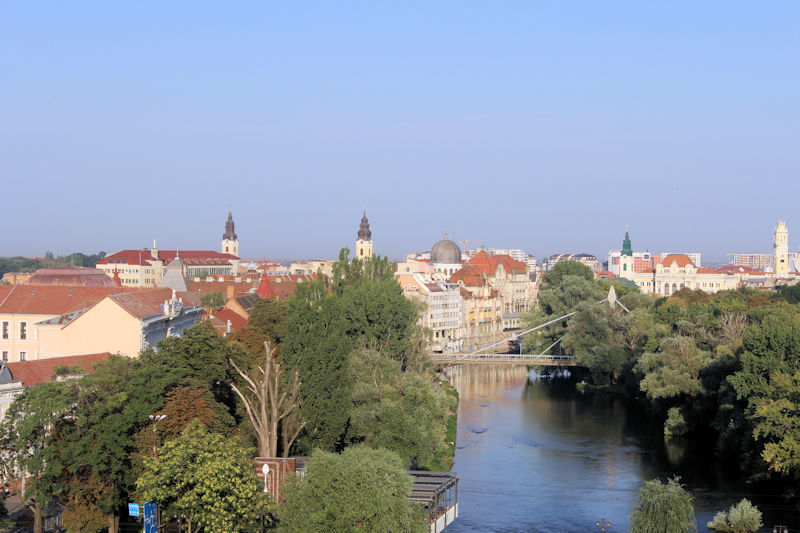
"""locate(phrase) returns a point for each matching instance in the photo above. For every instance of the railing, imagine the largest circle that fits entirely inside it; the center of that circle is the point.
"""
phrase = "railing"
(543, 360)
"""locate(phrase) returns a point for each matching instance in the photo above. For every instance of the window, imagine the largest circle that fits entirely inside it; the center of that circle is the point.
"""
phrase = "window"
(23, 356)
(23, 331)
(5, 356)
(5, 330)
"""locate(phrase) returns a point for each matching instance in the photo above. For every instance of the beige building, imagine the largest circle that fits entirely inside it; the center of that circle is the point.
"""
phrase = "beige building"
(482, 308)
(124, 323)
(24, 307)
(442, 309)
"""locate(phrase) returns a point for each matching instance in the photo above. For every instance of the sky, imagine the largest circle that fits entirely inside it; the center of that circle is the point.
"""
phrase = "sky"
(547, 126)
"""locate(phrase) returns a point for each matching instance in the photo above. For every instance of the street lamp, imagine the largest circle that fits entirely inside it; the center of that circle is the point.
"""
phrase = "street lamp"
(780, 529)
(603, 524)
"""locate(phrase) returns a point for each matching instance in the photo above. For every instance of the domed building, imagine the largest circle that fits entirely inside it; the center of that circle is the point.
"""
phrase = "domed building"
(446, 256)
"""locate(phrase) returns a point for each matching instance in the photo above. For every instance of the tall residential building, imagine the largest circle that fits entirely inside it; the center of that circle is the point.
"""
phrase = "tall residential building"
(364, 239)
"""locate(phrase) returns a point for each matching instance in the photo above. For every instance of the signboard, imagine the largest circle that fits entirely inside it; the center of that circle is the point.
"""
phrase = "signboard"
(151, 517)
(272, 471)
(133, 509)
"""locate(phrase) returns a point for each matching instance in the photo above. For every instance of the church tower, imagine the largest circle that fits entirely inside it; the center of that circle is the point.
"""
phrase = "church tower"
(781, 249)
(626, 257)
(230, 241)
(364, 240)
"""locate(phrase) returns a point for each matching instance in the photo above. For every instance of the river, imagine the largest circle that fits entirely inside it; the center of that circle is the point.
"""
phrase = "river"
(533, 454)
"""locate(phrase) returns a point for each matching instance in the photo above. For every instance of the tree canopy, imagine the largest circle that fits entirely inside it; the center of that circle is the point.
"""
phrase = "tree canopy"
(663, 508)
(361, 489)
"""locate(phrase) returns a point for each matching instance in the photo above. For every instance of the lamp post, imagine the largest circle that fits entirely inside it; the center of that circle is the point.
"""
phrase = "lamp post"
(155, 419)
(603, 524)
(780, 529)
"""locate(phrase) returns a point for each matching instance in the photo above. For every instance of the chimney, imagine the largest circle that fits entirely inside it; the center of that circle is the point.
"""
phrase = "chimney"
(229, 290)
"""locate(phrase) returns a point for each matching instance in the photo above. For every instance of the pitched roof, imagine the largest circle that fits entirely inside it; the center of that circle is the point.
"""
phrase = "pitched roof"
(489, 263)
(189, 257)
(247, 301)
(54, 299)
(205, 287)
(42, 370)
(71, 275)
(470, 275)
(143, 303)
(237, 321)
(681, 259)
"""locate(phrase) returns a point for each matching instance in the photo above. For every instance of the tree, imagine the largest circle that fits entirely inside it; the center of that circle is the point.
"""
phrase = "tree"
(563, 269)
(363, 489)
(204, 357)
(212, 299)
(378, 316)
(587, 339)
(269, 402)
(744, 517)
(267, 322)
(96, 443)
(399, 411)
(558, 298)
(663, 508)
(674, 369)
(317, 348)
(206, 480)
(26, 438)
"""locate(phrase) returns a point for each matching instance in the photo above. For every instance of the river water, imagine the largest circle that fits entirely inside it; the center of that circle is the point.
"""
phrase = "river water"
(533, 454)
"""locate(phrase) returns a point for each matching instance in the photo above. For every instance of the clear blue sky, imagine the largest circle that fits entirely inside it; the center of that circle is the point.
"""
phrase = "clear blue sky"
(545, 126)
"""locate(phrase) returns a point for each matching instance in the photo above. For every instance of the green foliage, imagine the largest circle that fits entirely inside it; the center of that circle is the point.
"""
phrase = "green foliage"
(398, 411)
(268, 318)
(588, 340)
(363, 489)
(562, 269)
(26, 439)
(18, 264)
(317, 348)
(744, 517)
(674, 369)
(212, 300)
(663, 508)
(378, 316)
(95, 443)
(205, 479)
(203, 357)
(791, 293)
(675, 425)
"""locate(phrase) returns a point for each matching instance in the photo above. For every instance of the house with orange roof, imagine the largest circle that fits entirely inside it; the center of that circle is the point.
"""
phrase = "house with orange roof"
(124, 323)
(482, 307)
(16, 377)
(673, 273)
(23, 307)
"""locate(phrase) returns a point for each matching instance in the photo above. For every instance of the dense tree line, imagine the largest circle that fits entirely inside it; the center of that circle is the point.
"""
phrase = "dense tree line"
(728, 361)
(28, 264)
(342, 352)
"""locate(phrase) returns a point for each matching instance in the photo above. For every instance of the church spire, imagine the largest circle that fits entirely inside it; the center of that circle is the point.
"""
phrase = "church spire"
(364, 233)
(230, 228)
(626, 244)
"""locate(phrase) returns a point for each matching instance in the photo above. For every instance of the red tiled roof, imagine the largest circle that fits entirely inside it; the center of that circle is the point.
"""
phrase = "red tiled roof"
(77, 276)
(42, 370)
(470, 275)
(54, 299)
(204, 287)
(681, 259)
(142, 303)
(265, 289)
(489, 263)
(237, 321)
(707, 271)
(606, 274)
(189, 257)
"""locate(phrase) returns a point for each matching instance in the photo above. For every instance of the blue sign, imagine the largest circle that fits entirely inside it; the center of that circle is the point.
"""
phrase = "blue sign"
(151, 517)
(133, 509)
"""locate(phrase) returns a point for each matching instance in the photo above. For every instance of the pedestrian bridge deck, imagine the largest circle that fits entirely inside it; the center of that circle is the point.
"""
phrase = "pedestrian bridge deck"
(502, 358)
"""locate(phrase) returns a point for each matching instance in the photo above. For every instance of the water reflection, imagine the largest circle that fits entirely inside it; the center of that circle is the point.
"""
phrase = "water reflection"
(535, 455)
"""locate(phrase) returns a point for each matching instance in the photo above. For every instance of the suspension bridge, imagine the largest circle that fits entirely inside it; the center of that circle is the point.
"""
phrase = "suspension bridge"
(482, 355)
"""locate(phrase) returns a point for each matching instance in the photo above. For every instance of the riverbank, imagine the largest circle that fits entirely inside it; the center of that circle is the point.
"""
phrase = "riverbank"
(443, 460)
